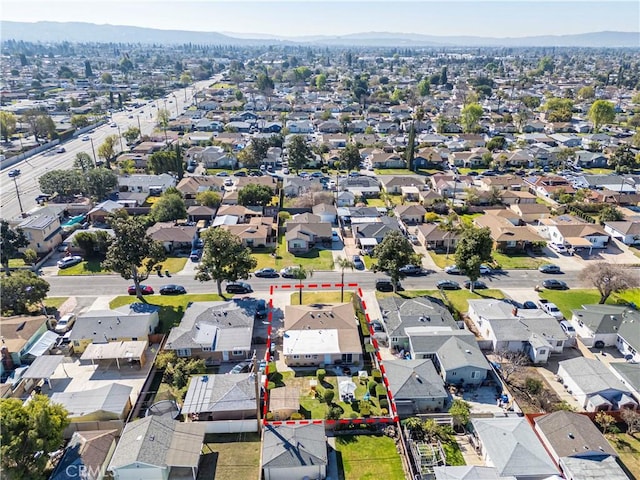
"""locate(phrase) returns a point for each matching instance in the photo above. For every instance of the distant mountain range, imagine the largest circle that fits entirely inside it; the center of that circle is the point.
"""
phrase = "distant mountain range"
(89, 32)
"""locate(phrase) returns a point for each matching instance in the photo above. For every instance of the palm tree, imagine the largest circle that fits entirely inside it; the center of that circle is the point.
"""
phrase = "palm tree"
(451, 225)
(343, 264)
(300, 273)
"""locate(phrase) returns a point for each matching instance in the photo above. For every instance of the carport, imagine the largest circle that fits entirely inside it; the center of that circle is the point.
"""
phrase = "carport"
(128, 351)
(43, 368)
(579, 242)
(368, 243)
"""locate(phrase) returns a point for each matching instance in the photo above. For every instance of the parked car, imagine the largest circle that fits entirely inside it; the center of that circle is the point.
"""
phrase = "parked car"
(195, 255)
(385, 285)
(222, 174)
(65, 323)
(172, 290)
(485, 269)
(291, 272)
(477, 285)
(568, 328)
(550, 308)
(555, 285)
(357, 262)
(452, 270)
(335, 236)
(448, 285)
(549, 268)
(241, 173)
(67, 262)
(262, 310)
(228, 182)
(529, 305)
(558, 247)
(238, 287)
(14, 173)
(266, 273)
(144, 289)
(242, 367)
(411, 270)
(413, 239)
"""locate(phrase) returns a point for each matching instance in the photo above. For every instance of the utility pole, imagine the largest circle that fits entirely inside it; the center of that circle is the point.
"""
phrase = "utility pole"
(15, 181)
(120, 136)
(95, 159)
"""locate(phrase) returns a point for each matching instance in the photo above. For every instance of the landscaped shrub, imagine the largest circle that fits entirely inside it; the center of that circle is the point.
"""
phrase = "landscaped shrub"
(533, 385)
(321, 373)
(328, 396)
(333, 413)
(381, 391)
(384, 412)
(269, 417)
(384, 403)
(353, 415)
(372, 387)
(365, 408)
(376, 375)
(297, 416)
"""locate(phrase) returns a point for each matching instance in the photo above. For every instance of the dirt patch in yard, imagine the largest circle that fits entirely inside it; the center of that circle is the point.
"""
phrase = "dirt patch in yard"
(532, 392)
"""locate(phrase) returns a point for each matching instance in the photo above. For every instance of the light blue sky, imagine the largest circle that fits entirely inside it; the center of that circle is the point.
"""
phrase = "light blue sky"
(507, 18)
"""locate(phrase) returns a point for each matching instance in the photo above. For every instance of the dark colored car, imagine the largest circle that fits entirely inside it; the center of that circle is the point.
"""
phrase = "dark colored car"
(477, 285)
(14, 173)
(266, 273)
(195, 255)
(238, 287)
(448, 285)
(172, 290)
(384, 286)
(262, 309)
(549, 268)
(357, 262)
(411, 270)
(144, 289)
(240, 174)
(529, 305)
(555, 285)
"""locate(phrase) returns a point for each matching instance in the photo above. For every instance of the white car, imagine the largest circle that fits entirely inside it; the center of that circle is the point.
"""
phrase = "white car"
(86, 138)
(65, 323)
(568, 328)
(67, 262)
(558, 247)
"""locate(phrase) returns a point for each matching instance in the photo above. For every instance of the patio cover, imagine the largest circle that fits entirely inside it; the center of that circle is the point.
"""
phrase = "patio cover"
(578, 242)
(44, 343)
(131, 350)
(43, 367)
(368, 242)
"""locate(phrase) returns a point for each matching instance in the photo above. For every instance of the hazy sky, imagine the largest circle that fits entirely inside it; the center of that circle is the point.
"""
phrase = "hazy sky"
(507, 18)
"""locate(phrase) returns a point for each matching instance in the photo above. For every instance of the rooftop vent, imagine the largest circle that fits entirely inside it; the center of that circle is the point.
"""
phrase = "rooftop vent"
(571, 436)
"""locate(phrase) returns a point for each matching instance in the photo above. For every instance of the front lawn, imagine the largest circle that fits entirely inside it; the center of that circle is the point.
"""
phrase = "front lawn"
(441, 259)
(459, 298)
(628, 448)
(368, 457)
(329, 296)
(17, 263)
(54, 302)
(230, 456)
(393, 171)
(568, 300)
(88, 267)
(517, 261)
(173, 264)
(171, 307)
(316, 259)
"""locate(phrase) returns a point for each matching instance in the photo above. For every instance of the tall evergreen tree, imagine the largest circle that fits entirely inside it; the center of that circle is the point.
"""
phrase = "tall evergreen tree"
(411, 147)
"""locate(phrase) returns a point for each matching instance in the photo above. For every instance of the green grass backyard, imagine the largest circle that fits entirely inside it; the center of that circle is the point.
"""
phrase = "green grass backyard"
(16, 263)
(367, 457)
(230, 457)
(568, 300)
(628, 448)
(171, 308)
(316, 259)
(376, 202)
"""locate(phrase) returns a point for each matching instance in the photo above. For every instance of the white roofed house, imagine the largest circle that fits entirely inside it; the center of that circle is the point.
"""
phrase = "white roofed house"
(43, 232)
(154, 184)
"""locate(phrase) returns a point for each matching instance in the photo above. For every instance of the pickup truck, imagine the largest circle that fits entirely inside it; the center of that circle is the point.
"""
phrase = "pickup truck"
(550, 308)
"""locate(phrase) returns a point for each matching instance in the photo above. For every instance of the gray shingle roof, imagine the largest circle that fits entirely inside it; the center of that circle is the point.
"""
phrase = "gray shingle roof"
(591, 376)
(112, 400)
(414, 379)
(131, 321)
(606, 318)
(293, 446)
(220, 393)
(454, 349)
(401, 313)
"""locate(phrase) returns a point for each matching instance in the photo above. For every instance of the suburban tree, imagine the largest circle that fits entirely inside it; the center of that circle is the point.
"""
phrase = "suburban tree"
(107, 151)
(586, 93)
(452, 226)
(30, 256)
(99, 182)
(11, 241)
(224, 258)
(511, 363)
(30, 432)
(62, 182)
(559, 109)
(601, 113)
(350, 157)
(163, 162)
(343, 264)
(299, 153)
(624, 159)
(394, 252)
(632, 419)
(94, 244)
(604, 421)
(131, 252)
(470, 117)
(83, 161)
(300, 273)
(169, 207)
(131, 134)
(410, 152)
(7, 125)
(40, 124)
(255, 195)
(209, 198)
(609, 278)
(22, 289)
(460, 412)
(610, 213)
(163, 118)
(472, 250)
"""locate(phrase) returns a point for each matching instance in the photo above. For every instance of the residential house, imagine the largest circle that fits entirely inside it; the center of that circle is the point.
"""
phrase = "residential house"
(600, 326)
(298, 186)
(566, 141)
(505, 235)
(305, 232)
(258, 233)
(345, 199)
(321, 334)
(22, 338)
(510, 329)
(300, 126)
(393, 184)
(87, 453)
(510, 445)
(108, 402)
(432, 237)
(100, 212)
(327, 213)
(387, 160)
(43, 232)
(158, 448)
(244, 214)
(530, 212)
(216, 157)
(215, 397)
(571, 232)
(577, 446)
(195, 213)
(549, 186)
(467, 160)
(173, 236)
(594, 386)
(410, 214)
(416, 386)
(296, 451)
(134, 322)
(503, 182)
(628, 232)
(586, 159)
(469, 472)
(214, 331)
(430, 197)
(190, 186)
(410, 194)
(369, 232)
(509, 197)
(361, 186)
(150, 184)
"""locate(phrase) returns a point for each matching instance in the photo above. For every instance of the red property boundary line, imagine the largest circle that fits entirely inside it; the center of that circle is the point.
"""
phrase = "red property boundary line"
(393, 419)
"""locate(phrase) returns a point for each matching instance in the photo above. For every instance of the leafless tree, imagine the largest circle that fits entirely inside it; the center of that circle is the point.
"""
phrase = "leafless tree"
(511, 363)
(609, 278)
(632, 419)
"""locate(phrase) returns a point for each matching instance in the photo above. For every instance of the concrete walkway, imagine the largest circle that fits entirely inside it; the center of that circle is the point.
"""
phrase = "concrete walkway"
(101, 303)
(189, 269)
